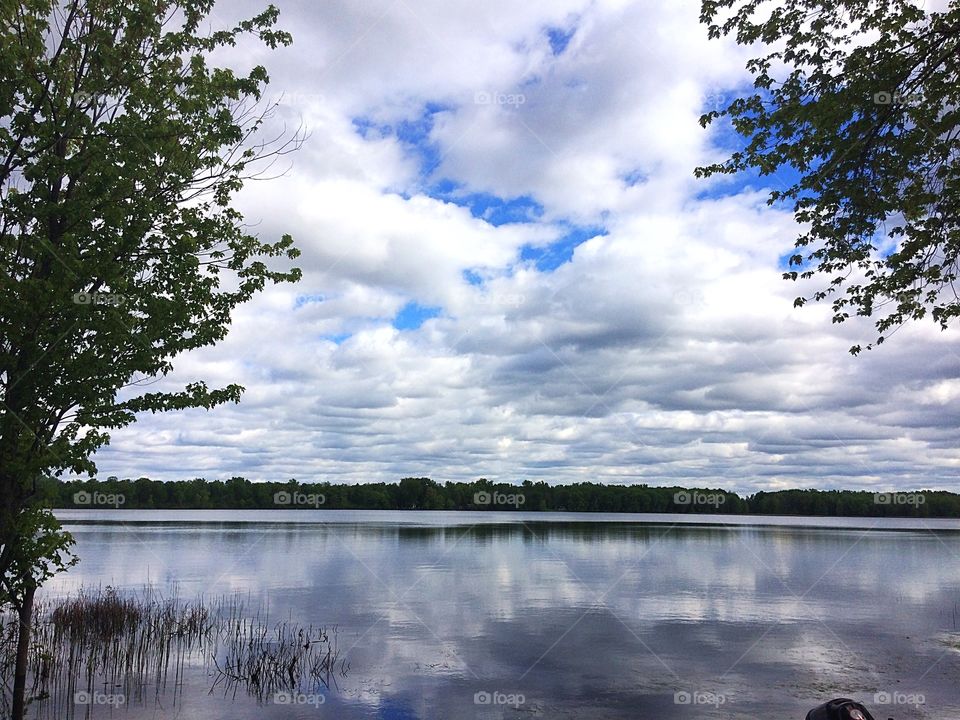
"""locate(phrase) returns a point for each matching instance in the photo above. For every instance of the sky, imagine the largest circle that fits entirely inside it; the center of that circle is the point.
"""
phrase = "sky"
(511, 272)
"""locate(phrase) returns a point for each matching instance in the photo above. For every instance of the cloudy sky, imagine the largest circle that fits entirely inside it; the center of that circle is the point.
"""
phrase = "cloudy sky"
(511, 272)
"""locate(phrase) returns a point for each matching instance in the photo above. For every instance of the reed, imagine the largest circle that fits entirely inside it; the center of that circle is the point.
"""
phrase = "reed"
(139, 643)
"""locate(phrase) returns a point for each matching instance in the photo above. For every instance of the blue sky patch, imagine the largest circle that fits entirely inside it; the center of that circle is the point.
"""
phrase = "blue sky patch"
(783, 262)
(413, 134)
(368, 129)
(472, 277)
(635, 177)
(559, 39)
(413, 315)
(549, 257)
(720, 186)
(725, 137)
(490, 208)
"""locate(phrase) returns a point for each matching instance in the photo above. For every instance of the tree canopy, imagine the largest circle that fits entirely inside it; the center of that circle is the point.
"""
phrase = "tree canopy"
(861, 99)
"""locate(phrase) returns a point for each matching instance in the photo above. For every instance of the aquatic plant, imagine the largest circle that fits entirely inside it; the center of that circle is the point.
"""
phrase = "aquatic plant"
(123, 645)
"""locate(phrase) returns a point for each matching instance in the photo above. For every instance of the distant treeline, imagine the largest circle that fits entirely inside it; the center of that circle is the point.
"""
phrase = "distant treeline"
(426, 494)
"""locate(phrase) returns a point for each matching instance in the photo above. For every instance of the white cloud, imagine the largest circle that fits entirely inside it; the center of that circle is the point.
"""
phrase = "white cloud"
(666, 350)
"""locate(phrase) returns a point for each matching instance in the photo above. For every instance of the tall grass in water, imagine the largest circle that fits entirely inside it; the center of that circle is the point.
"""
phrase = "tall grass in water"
(262, 658)
(133, 644)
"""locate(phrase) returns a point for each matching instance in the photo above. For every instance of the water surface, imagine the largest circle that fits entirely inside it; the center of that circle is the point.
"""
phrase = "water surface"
(562, 615)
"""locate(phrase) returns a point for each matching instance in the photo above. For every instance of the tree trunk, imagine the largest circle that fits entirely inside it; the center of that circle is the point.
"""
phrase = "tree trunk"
(25, 613)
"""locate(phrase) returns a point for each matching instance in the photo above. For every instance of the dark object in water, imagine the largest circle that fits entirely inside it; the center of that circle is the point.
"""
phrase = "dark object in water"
(840, 709)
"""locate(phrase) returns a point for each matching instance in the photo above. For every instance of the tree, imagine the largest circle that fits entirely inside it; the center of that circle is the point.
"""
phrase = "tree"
(43, 550)
(121, 148)
(867, 115)
(413, 493)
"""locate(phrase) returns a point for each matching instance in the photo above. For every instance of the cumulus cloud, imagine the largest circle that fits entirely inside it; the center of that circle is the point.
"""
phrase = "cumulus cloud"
(510, 271)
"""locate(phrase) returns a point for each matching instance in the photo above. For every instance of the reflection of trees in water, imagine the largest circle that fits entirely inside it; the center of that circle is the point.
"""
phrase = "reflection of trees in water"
(593, 531)
(534, 531)
(106, 648)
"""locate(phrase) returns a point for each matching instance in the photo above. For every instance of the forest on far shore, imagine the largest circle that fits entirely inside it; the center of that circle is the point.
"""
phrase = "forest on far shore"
(427, 494)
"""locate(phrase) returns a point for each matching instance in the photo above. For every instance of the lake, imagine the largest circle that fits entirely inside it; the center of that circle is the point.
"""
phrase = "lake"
(515, 615)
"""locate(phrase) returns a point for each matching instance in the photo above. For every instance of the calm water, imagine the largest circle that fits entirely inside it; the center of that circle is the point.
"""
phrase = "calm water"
(556, 616)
